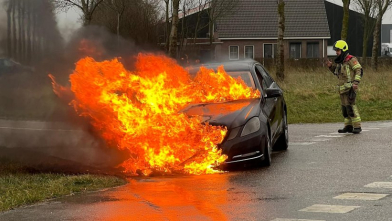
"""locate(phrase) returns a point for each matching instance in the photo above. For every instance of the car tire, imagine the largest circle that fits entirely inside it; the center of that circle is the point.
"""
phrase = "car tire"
(283, 141)
(267, 153)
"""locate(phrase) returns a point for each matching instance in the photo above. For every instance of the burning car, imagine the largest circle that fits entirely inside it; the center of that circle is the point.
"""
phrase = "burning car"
(170, 121)
(255, 126)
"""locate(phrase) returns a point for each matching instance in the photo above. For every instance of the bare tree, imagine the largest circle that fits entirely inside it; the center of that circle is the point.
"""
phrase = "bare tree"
(367, 7)
(167, 29)
(9, 40)
(32, 30)
(86, 6)
(382, 6)
(14, 53)
(280, 54)
(119, 7)
(218, 9)
(139, 21)
(173, 33)
(346, 13)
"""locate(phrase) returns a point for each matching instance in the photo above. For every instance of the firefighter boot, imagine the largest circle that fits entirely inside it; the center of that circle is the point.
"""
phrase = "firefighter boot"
(346, 129)
(357, 130)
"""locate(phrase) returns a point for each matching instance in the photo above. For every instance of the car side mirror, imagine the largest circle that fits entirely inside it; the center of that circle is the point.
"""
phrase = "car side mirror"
(273, 92)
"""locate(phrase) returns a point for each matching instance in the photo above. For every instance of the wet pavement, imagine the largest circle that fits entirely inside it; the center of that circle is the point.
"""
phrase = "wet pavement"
(304, 183)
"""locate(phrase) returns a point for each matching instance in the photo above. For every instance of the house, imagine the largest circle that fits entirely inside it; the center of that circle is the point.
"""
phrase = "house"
(386, 33)
(250, 31)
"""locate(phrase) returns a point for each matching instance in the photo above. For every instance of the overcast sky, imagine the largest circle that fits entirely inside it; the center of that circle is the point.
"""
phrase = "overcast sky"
(70, 21)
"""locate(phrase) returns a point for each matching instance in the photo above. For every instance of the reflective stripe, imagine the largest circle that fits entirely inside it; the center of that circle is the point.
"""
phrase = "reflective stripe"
(348, 73)
(357, 66)
(347, 121)
(346, 86)
(356, 120)
(357, 77)
(356, 112)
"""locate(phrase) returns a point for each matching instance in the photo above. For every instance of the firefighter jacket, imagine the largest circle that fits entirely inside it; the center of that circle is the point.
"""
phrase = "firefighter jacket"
(349, 72)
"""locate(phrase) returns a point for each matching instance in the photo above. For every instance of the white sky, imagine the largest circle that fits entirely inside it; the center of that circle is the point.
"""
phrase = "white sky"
(70, 21)
(387, 19)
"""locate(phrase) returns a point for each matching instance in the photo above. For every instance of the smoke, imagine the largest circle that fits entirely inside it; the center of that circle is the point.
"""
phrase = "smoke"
(34, 122)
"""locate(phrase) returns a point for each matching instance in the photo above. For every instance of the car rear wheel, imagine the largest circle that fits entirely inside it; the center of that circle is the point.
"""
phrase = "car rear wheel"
(283, 141)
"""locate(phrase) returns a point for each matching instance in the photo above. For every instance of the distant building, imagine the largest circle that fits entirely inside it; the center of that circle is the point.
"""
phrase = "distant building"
(386, 33)
(312, 27)
(355, 30)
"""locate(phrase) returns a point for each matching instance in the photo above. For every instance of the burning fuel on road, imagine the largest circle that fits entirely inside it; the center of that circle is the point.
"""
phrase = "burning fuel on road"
(140, 111)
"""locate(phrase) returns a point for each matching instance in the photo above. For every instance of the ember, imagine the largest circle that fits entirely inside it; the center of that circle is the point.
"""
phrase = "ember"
(140, 111)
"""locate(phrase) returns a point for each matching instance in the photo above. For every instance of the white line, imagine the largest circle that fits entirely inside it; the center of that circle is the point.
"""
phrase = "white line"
(331, 136)
(22, 128)
(301, 143)
(321, 140)
(361, 196)
(321, 208)
(282, 219)
(380, 185)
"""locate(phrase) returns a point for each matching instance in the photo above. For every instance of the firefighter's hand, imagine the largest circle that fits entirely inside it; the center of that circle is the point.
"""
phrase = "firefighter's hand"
(328, 62)
(355, 87)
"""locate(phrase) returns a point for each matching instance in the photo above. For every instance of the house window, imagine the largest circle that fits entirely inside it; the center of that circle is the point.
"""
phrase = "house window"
(295, 50)
(234, 50)
(270, 50)
(249, 50)
(312, 50)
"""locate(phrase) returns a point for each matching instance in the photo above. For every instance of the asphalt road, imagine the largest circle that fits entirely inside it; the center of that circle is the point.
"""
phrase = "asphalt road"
(322, 176)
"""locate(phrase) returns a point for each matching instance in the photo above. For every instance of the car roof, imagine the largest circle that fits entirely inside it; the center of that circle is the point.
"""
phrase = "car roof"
(238, 65)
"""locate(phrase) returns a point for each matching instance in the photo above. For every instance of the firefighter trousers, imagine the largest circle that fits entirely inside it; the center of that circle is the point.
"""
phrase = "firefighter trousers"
(349, 109)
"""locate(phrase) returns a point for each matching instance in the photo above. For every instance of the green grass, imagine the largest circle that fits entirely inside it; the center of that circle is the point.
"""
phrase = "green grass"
(19, 187)
(312, 98)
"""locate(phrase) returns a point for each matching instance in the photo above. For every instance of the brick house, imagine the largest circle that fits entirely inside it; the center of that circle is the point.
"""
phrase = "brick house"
(251, 31)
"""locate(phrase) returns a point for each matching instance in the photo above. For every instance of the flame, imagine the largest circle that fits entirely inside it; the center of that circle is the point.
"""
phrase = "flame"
(140, 111)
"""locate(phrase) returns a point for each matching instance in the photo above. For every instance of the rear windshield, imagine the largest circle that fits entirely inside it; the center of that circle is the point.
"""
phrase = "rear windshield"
(246, 76)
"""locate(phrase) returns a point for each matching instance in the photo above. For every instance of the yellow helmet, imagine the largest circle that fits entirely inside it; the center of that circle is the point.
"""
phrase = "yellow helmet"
(342, 45)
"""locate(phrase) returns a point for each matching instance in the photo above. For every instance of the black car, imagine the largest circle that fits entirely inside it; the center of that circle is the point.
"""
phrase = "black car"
(9, 66)
(255, 126)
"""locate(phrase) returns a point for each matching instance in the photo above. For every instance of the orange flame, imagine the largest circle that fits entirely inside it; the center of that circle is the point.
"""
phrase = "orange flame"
(140, 111)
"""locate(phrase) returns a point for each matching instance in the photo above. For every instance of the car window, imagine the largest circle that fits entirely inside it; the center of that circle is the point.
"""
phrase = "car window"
(267, 80)
(262, 82)
(246, 76)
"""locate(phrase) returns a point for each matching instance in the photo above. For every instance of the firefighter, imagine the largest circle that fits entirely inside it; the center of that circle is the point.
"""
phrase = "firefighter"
(349, 72)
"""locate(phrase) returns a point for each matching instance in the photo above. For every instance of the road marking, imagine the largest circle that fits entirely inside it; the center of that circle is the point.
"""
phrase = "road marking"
(301, 143)
(321, 140)
(373, 128)
(361, 196)
(321, 208)
(330, 136)
(380, 185)
(282, 219)
(26, 128)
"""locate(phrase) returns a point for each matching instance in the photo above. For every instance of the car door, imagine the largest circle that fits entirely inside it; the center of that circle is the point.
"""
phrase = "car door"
(273, 105)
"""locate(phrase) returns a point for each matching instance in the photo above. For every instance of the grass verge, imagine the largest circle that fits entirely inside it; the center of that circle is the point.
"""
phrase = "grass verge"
(312, 97)
(20, 187)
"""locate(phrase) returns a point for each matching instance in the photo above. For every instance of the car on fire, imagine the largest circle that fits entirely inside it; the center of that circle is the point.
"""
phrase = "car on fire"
(255, 126)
